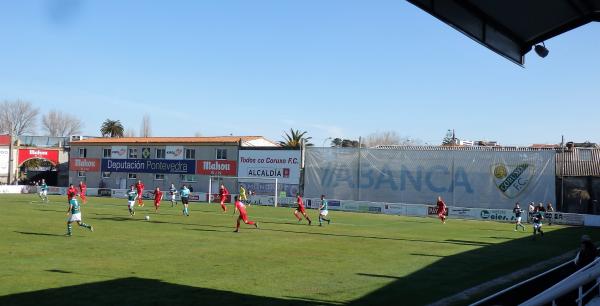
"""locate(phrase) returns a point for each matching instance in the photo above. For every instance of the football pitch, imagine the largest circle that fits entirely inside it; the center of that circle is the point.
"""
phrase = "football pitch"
(359, 259)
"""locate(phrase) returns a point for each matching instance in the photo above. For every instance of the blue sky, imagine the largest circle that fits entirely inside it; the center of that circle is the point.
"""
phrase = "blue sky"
(336, 68)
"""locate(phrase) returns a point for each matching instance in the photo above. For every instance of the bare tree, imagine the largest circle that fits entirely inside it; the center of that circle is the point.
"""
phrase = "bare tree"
(129, 133)
(56, 123)
(18, 118)
(388, 138)
(146, 129)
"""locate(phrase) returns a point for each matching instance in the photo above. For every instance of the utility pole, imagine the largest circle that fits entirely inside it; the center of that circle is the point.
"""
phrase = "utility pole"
(562, 172)
(10, 159)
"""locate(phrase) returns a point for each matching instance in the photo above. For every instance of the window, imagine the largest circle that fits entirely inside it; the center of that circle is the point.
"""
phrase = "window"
(82, 152)
(81, 173)
(188, 178)
(106, 153)
(190, 154)
(160, 153)
(132, 176)
(133, 153)
(159, 177)
(221, 153)
(105, 174)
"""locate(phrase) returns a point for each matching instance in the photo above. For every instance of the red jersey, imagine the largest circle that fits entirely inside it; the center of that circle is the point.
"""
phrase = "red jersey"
(71, 193)
(223, 191)
(82, 188)
(157, 194)
(441, 206)
(241, 207)
(300, 202)
(140, 187)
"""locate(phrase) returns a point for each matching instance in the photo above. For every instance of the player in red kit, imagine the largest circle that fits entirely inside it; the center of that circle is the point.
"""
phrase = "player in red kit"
(223, 193)
(71, 193)
(239, 206)
(301, 210)
(441, 209)
(82, 191)
(158, 195)
(139, 186)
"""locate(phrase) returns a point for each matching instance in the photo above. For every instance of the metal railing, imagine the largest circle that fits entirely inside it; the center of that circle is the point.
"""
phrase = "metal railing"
(577, 280)
(487, 300)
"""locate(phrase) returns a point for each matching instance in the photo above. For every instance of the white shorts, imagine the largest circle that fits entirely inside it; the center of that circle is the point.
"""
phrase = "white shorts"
(74, 217)
(323, 212)
(43, 192)
(131, 204)
(537, 225)
(518, 219)
(172, 197)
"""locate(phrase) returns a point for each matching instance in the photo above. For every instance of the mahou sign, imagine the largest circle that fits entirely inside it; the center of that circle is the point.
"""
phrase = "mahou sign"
(27, 154)
(84, 164)
(216, 167)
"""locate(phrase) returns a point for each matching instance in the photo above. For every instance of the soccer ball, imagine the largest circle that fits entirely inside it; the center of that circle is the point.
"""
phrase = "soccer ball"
(147, 218)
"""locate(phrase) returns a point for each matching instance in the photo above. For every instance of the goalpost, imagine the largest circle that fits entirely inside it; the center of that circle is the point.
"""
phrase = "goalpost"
(256, 188)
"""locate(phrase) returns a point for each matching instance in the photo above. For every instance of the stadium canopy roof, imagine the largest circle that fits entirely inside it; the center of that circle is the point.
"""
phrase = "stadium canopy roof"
(512, 27)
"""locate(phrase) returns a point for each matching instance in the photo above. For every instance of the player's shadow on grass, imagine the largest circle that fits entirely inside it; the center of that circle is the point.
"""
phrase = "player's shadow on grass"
(137, 219)
(115, 218)
(209, 230)
(38, 234)
(421, 254)
(59, 271)
(140, 291)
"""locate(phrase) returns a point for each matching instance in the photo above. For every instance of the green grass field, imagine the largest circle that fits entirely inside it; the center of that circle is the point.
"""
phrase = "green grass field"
(360, 259)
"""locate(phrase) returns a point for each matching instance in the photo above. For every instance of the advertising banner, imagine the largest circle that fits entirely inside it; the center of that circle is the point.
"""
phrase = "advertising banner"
(216, 167)
(84, 164)
(174, 152)
(104, 192)
(563, 218)
(149, 166)
(3, 162)
(57, 190)
(118, 152)
(27, 154)
(281, 164)
(466, 178)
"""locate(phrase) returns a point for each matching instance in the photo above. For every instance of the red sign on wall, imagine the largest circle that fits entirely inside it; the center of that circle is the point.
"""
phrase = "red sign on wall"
(4, 140)
(84, 164)
(216, 167)
(27, 154)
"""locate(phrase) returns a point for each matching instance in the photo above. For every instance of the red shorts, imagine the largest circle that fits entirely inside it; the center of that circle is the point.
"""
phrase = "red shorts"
(156, 202)
(442, 213)
(244, 217)
(301, 209)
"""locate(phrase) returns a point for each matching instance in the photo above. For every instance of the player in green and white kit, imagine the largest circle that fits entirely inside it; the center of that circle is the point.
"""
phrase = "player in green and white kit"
(323, 211)
(131, 197)
(173, 194)
(43, 191)
(74, 214)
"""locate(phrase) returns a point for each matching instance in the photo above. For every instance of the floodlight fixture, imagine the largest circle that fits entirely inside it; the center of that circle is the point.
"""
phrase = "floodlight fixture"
(541, 50)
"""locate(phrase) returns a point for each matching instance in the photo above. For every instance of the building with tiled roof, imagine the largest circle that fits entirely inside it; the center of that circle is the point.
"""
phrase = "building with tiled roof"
(157, 161)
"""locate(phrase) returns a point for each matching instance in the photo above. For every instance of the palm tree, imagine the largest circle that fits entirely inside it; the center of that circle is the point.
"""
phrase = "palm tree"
(294, 139)
(112, 128)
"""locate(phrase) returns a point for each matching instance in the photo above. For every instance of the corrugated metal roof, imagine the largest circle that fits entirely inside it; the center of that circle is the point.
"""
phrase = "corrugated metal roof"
(578, 162)
(162, 140)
